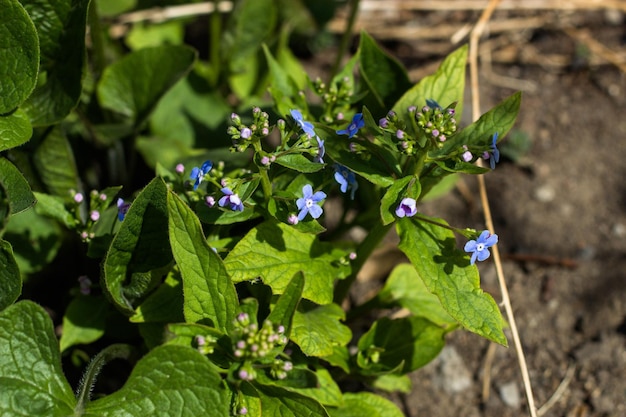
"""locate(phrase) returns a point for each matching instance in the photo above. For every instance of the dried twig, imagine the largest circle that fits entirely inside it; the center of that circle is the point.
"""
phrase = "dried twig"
(489, 356)
(583, 36)
(560, 390)
(473, 62)
(455, 5)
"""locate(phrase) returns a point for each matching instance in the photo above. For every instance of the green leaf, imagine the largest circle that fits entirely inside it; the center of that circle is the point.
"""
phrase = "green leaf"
(61, 29)
(54, 160)
(408, 343)
(277, 401)
(499, 119)
(405, 288)
(35, 240)
(276, 252)
(114, 7)
(19, 193)
(15, 129)
(445, 86)
(365, 404)
(286, 305)
(5, 208)
(299, 163)
(54, 207)
(169, 381)
(318, 330)
(30, 365)
(209, 293)
(10, 279)
(143, 35)
(327, 392)
(19, 56)
(393, 383)
(84, 320)
(163, 305)
(404, 187)
(282, 87)
(133, 85)
(244, 39)
(446, 272)
(384, 76)
(140, 248)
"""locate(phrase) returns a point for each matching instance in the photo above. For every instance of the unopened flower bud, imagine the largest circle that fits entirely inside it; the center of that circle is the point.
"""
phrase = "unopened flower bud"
(180, 168)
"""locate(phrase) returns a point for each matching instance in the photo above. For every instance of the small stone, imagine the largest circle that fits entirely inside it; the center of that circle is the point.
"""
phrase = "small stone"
(619, 230)
(453, 376)
(509, 393)
(545, 193)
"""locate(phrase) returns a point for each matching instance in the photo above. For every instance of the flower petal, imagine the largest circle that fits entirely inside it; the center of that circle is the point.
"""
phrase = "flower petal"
(316, 211)
(319, 196)
(307, 190)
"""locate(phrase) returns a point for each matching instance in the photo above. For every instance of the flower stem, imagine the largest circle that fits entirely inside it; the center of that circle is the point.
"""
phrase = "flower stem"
(365, 249)
(117, 351)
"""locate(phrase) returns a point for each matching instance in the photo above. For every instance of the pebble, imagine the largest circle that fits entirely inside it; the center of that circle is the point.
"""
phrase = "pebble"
(452, 374)
(545, 193)
(619, 230)
(509, 393)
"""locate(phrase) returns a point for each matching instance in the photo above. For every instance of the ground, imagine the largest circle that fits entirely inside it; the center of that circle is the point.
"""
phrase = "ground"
(560, 212)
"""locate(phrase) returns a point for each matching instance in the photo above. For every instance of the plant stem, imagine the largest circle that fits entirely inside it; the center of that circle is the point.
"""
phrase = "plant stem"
(345, 40)
(97, 41)
(363, 252)
(117, 351)
(216, 32)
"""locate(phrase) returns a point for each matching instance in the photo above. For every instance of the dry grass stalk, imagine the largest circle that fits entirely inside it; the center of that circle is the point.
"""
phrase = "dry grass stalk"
(456, 5)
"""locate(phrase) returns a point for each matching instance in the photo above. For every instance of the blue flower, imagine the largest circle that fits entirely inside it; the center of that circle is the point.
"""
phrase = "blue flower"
(494, 157)
(306, 126)
(231, 199)
(407, 207)
(346, 179)
(198, 174)
(480, 247)
(122, 209)
(308, 203)
(357, 123)
(321, 151)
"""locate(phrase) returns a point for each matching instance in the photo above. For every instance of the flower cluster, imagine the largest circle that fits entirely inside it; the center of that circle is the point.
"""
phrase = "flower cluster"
(436, 122)
(250, 342)
(243, 135)
(87, 212)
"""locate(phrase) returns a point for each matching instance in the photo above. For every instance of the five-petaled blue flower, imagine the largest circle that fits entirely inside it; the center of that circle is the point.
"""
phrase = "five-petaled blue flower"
(306, 126)
(357, 123)
(231, 199)
(480, 247)
(197, 174)
(122, 209)
(346, 179)
(308, 203)
(407, 207)
(494, 157)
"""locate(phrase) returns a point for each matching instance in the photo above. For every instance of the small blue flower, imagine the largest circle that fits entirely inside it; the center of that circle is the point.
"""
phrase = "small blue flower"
(307, 127)
(357, 123)
(494, 157)
(480, 247)
(321, 151)
(122, 209)
(308, 203)
(197, 174)
(346, 179)
(231, 199)
(407, 207)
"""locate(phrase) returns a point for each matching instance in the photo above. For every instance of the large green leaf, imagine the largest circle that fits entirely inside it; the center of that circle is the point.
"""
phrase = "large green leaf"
(19, 55)
(209, 293)
(444, 86)
(18, 191)
(384, 76)
(365, 404)
(318, 330)
(140, 248)
(133, 85)
(282, 87)
(243, 39)
(164, 305)
(276, 252)
(409, 343)
(10, 279)
(15, 129)
(405, 287)
(61, 28)
(55, 164)
(446, 272)
(277, 401)
(84, 320)
(286, 305)
(30, 365)
(169, 381)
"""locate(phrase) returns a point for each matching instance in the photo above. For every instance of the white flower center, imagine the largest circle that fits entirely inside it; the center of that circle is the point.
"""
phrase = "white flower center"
(309, 202)
(480, 247)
